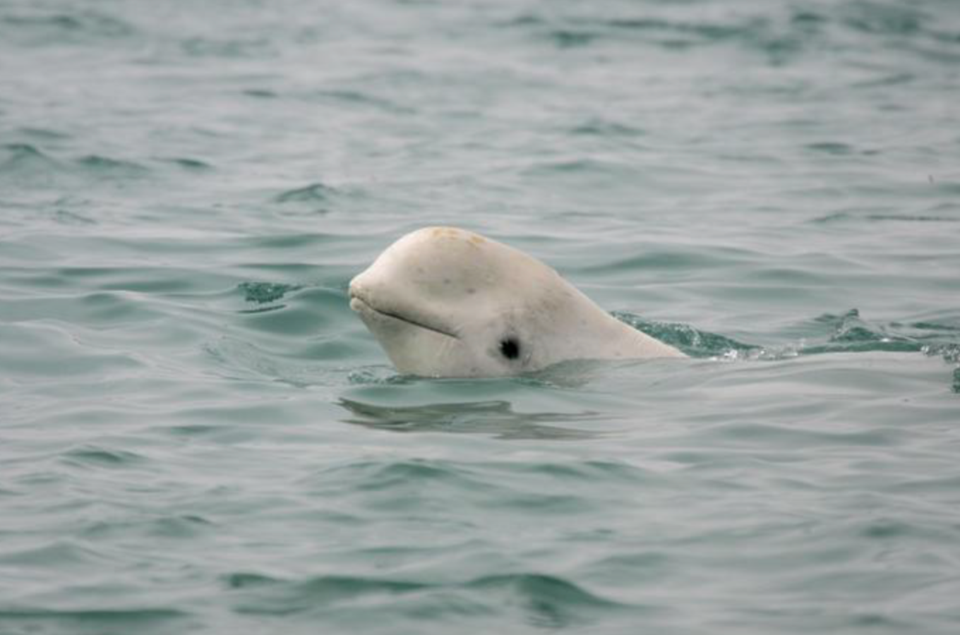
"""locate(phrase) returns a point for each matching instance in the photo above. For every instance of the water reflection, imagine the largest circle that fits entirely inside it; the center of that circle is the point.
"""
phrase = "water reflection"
(493, 417)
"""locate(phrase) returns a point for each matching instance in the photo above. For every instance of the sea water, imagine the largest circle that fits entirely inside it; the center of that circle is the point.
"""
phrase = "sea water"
(198, 436)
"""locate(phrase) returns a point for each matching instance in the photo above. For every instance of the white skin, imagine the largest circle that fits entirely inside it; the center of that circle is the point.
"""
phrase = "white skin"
(445, 302)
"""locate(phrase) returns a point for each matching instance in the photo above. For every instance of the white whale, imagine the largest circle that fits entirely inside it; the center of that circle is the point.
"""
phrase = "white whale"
(445, 302)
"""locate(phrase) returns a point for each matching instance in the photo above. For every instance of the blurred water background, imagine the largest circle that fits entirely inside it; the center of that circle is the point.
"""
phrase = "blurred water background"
(198, 436)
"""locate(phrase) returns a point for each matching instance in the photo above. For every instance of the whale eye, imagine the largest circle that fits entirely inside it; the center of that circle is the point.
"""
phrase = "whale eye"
(510, 348)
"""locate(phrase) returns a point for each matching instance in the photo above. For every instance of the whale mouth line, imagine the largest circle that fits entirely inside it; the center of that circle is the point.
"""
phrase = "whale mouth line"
(358, 304)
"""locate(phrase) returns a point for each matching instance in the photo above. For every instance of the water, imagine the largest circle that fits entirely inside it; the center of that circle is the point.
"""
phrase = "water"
(198, 436)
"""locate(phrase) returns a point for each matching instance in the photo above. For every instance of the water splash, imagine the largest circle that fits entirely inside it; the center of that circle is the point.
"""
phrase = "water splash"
(846, 332)
(692, 341)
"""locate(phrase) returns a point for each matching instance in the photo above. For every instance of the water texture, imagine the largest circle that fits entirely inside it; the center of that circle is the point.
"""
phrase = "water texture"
(198, 436)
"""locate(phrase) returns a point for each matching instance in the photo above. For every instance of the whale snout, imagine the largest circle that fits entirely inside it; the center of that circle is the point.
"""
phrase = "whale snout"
(359, 295)
(353, 290)
(382, 302)
(362, 285)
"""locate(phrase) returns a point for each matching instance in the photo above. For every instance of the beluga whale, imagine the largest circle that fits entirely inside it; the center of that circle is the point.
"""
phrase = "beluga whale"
(446, 302)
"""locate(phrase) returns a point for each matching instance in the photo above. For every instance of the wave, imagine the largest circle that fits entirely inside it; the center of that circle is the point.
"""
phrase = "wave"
(545, 600)
(845, 332)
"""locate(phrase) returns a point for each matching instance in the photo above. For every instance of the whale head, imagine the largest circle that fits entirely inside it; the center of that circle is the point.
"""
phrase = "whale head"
(446, 302)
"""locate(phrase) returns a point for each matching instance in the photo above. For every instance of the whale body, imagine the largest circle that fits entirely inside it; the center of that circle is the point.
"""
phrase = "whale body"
(447, 302)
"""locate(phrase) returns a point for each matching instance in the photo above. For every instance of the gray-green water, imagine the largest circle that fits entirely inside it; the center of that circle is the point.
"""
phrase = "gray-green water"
(198, 436)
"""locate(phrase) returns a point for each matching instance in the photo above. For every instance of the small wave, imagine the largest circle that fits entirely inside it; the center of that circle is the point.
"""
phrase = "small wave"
(777, 41)
(66, 217)
(229, 48)
(190, 164)
(357, 97)
(891, 79)
(244, 580)
(17, 157)
(43, 134)
(173, 526)
(895, 218)
(606, 128)
(709, 31)
(796, 437)
(831, 147)
(542, 588)
(260, 93)
(850, 332)
(312, 193)
(288, 241)
(384, 474)
(548, 601)
(58, 553)
(582, 471)
(883, 18)
(545, 600)
(885, 529)
(24, 160)
(95, 620)
(264, 292)
(45, 351)
(82, 24)
(95, 456)
(245, 360)
(181, 526)
(274, 596)
(105, 166)
(912, 218)
(569, 38)
(576, 166)
(663, 260)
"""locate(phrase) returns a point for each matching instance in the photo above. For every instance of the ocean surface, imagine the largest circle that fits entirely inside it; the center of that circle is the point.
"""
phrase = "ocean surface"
(197, 435)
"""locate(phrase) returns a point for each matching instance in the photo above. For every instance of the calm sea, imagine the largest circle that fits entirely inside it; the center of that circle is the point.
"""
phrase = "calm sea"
(198, 436)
